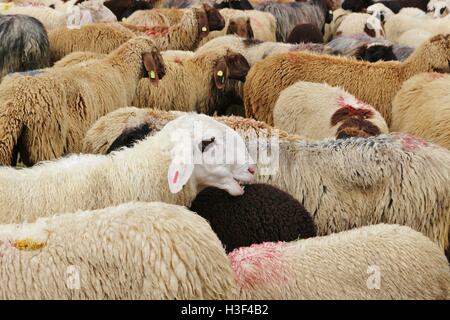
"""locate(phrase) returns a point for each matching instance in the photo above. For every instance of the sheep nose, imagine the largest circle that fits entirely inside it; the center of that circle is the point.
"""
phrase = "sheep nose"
(252, 169)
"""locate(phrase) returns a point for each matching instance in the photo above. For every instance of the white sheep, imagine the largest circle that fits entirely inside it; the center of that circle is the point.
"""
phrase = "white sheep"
(412, 30)
(132, 251)
(189, 154)
(374, 262)
(318, 111)
(49, 118)
(344, 183)
(422, 108)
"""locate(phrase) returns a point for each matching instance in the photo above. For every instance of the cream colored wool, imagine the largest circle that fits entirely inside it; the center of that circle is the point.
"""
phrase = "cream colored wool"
(264, 24)
(330, 29)
(374, 83)
(306, 109)
(398, 24)
(349, 183)
(78, 57)
(254, 51)
(353, 24)
(188, 85)
(132, 251)
(374, 262)
(374, 179)
(177, 54)
(106, 129)
(48, 114)
(49, 17)
(422, 108)
(105, 37)
(99, 38)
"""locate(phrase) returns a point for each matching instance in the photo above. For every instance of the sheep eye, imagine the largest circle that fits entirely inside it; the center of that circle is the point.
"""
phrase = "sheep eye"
(205, 143)
(442, 10)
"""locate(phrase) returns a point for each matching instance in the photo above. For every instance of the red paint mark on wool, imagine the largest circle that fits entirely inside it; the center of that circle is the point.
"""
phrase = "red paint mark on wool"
(259, 263)
(157, 31)
(359, 108)
(436, 75)
(410, 143)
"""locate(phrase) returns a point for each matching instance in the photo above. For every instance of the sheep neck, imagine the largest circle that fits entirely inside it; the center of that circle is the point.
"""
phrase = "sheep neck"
(144, 178)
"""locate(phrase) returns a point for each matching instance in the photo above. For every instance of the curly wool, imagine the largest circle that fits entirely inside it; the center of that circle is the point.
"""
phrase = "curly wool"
(374, 83)
(132, 251)
(123, 122)
(374, 262)
(263, 213)
(23, 44)
(288, 15)
(422, 108)
(318, 111)
(47, 115)
(188, 85)
(105, 37)
(349, 183)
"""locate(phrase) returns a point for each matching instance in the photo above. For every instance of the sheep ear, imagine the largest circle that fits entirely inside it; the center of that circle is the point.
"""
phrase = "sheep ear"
(220, 74)
(250, 34)
(203, 24)
(154, 66)
(178, 175)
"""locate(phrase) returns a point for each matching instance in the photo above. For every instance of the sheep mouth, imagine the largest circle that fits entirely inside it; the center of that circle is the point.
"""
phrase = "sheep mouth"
(241, 182)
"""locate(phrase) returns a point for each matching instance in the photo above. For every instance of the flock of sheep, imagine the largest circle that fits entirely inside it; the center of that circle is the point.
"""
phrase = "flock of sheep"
(100, 100)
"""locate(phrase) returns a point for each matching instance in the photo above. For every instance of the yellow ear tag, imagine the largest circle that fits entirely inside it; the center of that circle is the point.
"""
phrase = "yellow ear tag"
(152, 74)
(6, 6)
(204, 29)
(220, 73)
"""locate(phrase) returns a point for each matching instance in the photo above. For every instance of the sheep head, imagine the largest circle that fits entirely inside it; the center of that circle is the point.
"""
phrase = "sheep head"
(232, 66)
(241, 27)
(154, 65)
(209, 19)
(436, 53)
(207, 153)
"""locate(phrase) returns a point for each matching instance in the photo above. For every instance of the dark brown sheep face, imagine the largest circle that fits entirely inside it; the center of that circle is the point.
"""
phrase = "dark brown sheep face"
(154, 66)
(215, 20)
(238, 66)
(241, 27)
(233, 66)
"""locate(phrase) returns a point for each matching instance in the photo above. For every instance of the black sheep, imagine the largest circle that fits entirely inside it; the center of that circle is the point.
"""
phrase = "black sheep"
(124, 8)
(394, 5)
(129, 137)
(234, 4)
(263, 213)
(23, 44)
(376, 52)
(305, 32)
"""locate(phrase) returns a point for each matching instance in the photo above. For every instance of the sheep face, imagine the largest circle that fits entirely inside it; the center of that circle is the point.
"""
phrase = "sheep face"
(439, 9)
(207, 153)
(215, 20)
(241, 27)
(356, 5)
(376, 52)
(153, 65)
(232, 66)
(437, 53)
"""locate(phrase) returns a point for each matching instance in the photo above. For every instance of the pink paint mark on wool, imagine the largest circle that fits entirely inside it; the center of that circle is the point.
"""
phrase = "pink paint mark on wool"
(259, 263)
(359, 105)
(410, 143)
(157, 31)
(436, 75)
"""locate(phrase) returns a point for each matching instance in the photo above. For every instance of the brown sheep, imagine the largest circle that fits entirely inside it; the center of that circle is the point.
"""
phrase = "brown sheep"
(374, 83)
